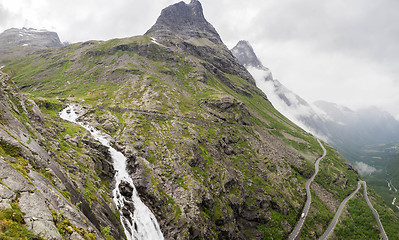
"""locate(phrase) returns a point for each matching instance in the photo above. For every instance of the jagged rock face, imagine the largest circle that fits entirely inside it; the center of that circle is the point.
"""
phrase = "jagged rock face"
(183, 27)
(245, 54)
(186, 21)
(37, 216)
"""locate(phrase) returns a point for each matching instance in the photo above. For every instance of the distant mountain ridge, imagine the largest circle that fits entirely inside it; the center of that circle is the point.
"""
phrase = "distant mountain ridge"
(368, 137)
(349, 131)
(29, 37)
(17, 42)
(352, 131)
(287, 102)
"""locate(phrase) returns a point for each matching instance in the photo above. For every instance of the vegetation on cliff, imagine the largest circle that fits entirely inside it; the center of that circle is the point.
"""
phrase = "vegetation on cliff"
(207, 149)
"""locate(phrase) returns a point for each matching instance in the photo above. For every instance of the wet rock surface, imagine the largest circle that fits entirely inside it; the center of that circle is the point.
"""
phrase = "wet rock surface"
(126, 189)
(33, 205)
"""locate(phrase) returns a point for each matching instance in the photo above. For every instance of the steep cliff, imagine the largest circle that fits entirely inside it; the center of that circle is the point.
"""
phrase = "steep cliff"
(208, 153)
(54, 176)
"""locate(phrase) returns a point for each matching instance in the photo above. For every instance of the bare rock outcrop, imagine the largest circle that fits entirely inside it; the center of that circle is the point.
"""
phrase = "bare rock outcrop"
(37, 216)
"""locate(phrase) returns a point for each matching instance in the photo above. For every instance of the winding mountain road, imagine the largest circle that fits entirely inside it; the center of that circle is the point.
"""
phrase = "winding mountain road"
(298, 228)
(377, 217)
(338, 213)
(333, 223)
(294, 234)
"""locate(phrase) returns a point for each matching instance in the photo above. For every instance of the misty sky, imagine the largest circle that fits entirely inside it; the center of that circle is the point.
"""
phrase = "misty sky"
(340, 51)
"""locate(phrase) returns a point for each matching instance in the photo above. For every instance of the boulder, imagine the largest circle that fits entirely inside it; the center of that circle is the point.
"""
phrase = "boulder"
(126, 189)
(6, 196)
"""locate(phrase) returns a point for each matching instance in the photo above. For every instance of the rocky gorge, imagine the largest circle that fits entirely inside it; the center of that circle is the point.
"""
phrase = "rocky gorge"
(137, 220)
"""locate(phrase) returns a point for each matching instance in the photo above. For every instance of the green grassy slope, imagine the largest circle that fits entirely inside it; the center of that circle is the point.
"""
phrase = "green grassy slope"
(214, 158)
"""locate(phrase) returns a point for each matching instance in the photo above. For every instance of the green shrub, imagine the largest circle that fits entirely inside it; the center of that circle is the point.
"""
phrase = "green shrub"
(12, 224)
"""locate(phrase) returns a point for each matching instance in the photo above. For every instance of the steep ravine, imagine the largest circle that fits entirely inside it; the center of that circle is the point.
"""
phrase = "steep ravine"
(138, 221)
(47, 174)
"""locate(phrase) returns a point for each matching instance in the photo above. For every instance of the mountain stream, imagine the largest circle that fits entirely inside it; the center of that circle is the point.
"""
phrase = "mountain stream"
(138, 221)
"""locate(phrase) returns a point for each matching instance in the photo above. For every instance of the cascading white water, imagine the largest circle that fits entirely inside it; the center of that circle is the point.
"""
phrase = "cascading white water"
(139, 224)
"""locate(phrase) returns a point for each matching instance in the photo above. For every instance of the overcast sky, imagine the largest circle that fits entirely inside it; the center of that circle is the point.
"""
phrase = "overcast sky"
(340, 51)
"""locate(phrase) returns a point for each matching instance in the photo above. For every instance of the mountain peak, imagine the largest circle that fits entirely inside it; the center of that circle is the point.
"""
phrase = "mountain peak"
(184, 21)
(29, 37)
(15, 42)
(245, 54)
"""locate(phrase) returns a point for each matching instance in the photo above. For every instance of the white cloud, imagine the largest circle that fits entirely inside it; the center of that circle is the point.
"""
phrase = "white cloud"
(365, 169)
(76, 20)
(295, 110)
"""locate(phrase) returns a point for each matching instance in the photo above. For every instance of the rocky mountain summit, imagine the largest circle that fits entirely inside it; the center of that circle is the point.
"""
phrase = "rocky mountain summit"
(183, 27)
(245, 54)
(207, 152)
(185, 21)
(16, 42)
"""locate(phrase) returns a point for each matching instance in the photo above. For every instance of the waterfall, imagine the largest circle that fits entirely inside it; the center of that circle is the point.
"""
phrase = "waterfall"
(138, 221)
